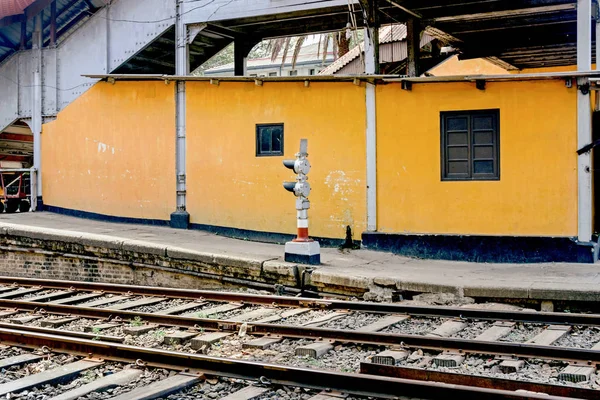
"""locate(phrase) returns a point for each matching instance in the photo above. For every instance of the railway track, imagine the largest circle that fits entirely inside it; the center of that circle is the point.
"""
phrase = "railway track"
(259, 334)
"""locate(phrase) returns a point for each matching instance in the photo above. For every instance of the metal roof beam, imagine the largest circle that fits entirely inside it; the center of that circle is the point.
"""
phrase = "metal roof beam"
(532, 11)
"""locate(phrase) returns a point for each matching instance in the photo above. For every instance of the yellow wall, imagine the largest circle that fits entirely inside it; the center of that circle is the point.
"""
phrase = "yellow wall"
(229, 186)
(112, 151)
(476, 66)
(537, 190)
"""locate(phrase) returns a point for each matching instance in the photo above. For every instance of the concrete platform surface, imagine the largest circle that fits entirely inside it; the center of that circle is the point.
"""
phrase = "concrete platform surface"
(366, 271)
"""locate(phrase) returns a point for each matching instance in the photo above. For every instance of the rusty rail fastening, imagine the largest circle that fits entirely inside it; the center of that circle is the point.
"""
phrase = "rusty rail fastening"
(286, 301)
(337, 335)
(357, 384)
(478, 381)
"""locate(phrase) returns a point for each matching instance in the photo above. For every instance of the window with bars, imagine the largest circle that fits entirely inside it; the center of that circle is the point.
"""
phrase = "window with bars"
(269, 139)
(470, 145)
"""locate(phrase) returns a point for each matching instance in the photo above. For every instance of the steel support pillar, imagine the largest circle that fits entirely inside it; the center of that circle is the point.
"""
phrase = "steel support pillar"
(371, 67)
(240, 58)
(23, 42)
(53, 24)
(180, 218)
(36, 112)
(413, 41)
(588, 250)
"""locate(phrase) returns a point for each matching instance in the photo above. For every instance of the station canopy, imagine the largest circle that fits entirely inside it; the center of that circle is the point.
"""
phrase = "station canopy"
(514, 34)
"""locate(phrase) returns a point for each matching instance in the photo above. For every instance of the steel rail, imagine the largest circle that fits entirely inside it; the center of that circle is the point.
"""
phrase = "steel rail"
(82, 335)
(477, 381)
(337, 335)
(287, 301)
(357, 384)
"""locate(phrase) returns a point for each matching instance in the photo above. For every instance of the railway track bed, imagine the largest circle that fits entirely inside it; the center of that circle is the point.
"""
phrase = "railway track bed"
(402, 346)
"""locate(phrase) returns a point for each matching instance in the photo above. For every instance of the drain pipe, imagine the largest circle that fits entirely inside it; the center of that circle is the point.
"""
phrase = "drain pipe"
(180, 218)
(371, 61)
(36, 113)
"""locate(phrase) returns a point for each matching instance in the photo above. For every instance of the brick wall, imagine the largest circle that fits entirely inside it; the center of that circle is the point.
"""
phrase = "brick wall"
(80, 261)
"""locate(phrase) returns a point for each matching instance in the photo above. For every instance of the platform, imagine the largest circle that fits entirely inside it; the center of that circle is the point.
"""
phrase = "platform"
(353, 272)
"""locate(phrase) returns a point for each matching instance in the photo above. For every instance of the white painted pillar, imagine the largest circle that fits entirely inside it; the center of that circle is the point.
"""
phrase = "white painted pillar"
(36, 112)
(371, 131)
(597, 95)
(180, 218)
(584, 121)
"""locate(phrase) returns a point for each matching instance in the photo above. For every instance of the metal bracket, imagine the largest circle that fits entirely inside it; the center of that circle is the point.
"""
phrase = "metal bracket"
(585, 88)
(406, 85)
(569, 83)
(194, 30)
(480, 84)
(588, 147)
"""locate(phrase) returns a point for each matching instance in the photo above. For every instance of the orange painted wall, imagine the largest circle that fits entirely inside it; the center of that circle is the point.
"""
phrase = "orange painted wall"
(112, 151)
(537, 190)
(229, 186)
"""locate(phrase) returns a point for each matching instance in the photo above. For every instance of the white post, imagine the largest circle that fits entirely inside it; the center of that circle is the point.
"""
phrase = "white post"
(180, 218)
(597, 95)
(584, 118)
(36, 108)
(371, 132)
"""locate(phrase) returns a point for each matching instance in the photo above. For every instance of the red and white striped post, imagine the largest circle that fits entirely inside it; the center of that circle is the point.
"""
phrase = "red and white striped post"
(302, 217)
(302, 249)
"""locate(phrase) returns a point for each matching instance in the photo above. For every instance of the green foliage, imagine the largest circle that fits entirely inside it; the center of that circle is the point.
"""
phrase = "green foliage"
(137, 321)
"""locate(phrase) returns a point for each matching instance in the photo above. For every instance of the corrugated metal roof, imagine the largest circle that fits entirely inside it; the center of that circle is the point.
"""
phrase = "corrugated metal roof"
(13, 7)
(392, 48)
(309, 53)
(68, 12)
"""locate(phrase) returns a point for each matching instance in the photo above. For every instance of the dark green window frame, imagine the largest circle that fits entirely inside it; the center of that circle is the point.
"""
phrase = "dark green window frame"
(470, 148)
(269, 140)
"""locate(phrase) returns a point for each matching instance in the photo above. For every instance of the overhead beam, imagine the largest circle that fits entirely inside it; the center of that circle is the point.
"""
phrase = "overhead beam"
(406, 10)
(37, 7)
(154, 61)
(508, 13)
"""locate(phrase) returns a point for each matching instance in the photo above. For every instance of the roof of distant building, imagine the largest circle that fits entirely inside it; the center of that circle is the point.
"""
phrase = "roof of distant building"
(309, 54)
(387, 34)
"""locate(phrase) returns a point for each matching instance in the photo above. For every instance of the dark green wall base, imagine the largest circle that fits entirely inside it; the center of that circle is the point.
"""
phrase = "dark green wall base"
(181, 221)
(490, 249)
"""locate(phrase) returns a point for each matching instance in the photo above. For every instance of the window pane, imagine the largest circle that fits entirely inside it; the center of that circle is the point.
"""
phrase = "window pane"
(456, 123)
(265, 140)
(483, 167)
(457, 138)
(458, 153)
(458, 167)
(483, 152)
(276, 140)
(484, 137)
(483, 122)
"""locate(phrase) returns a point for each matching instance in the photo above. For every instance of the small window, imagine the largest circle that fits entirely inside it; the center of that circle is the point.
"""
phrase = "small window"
(272, 73)
(293, 72)
(269, 140)
(312, 71)
(470, 145)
